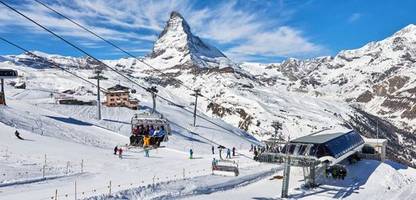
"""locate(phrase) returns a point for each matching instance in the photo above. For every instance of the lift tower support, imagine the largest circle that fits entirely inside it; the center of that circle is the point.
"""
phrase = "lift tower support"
(196, 94)
(99, 77)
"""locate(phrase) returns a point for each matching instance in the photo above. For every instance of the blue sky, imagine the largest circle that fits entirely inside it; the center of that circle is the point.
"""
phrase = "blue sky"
(246, 30)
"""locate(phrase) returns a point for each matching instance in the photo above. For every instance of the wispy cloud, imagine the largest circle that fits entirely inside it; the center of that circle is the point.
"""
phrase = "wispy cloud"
(354, 17)
(284, 42)
(243, 30)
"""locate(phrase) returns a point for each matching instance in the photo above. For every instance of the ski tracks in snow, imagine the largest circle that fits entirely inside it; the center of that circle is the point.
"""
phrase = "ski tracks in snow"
(200, 185)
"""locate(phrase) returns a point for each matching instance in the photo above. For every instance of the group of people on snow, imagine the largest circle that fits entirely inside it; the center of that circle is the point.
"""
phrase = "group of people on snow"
(257, 150)
(119, 151)
(336, 172)
(274, 149)
(220, 148)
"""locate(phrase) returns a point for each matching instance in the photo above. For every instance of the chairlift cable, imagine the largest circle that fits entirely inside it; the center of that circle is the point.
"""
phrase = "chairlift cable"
(53, 63)
(111, 43)
(124, 51)
(112, 69)
(120, 49)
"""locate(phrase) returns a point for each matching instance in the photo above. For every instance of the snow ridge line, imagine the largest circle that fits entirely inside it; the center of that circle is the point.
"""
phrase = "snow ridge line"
(238, 183)
(35, 180)
(184, 188)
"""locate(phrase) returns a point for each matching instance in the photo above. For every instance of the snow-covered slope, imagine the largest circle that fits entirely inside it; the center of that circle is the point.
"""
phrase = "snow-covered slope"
(70, 135)
(306, 95)
(366, 180)
(22, 163)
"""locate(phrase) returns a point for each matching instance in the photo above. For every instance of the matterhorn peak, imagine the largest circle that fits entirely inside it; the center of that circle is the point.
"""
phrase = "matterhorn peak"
(176, 40)
(176, 23)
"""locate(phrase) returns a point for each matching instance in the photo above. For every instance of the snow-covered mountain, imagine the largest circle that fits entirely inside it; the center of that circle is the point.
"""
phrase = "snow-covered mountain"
(377, 76)
(306, 95)
(178, 48)
(377, 79)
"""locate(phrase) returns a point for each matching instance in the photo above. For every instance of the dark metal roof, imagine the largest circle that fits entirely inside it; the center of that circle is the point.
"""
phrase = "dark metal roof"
(117, 88)
(318, 138)
(8, 73)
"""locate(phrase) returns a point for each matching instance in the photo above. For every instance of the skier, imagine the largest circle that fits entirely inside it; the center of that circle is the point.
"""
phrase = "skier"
(214, 163)
(146, 152)
(213, 150)
(220, 153)
(343, 173)
(146, 141)
(335, 173)
(17, 134)
(191, 153)
(146, 130)
(151, 130)
(229, 153)
(326, 172)
(136, 130)
(160, 136)
(255, 154)
(141, 130)
(233, 151)
(156, 132)
(120, 152)
(132, 139)
(115, 150)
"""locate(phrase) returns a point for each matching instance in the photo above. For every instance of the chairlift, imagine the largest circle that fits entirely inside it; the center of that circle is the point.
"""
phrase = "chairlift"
(148, 119)
(225, 168)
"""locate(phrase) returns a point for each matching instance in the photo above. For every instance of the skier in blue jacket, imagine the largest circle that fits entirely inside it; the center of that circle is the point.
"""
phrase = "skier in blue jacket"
(191, 153)
(229, 153)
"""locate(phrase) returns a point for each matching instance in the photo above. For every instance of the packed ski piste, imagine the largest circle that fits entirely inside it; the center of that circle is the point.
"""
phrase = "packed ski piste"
(186, 122)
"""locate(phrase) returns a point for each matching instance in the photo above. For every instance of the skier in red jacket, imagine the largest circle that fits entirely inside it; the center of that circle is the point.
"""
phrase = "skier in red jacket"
(120, 152)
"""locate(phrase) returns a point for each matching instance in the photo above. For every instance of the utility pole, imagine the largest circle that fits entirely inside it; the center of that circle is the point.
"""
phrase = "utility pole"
(99, 77)
(6, 74)
(197, 93)
(286, 172)
(153, 90)
(277, 126)
(2, 95)
(378, 148)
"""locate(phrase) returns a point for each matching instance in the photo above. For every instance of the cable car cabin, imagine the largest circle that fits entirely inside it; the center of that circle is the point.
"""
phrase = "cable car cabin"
(8, 74)
(225, 167)
(327, 146)
(149, 125)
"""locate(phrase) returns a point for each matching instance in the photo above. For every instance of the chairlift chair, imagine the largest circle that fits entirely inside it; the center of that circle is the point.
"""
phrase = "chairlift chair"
(148, 119)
